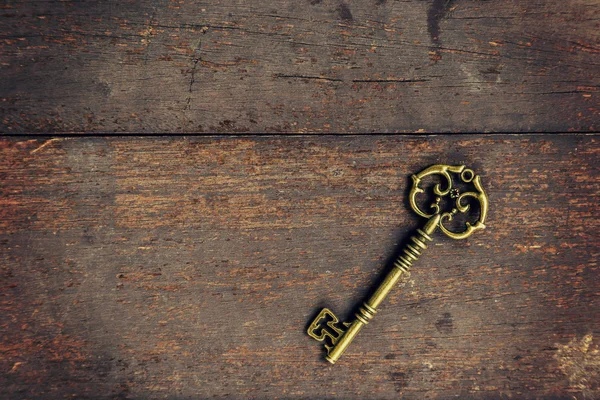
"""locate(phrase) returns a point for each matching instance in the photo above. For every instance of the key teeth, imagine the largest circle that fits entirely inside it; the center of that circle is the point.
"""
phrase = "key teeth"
(331, 329)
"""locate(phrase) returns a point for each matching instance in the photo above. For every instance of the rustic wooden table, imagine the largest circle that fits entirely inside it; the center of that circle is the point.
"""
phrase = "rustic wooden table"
(188, 266)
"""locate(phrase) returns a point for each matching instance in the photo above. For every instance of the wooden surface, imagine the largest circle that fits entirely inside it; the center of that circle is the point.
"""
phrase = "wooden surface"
(299, 66)
(190, 268)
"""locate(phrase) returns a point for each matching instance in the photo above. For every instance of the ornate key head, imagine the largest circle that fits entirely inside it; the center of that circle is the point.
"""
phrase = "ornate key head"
(448, 189)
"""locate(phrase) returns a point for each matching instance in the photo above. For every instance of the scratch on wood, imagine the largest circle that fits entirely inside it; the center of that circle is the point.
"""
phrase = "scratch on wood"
(192, 81)
(321, 78)
(16, 366)
(46, 143)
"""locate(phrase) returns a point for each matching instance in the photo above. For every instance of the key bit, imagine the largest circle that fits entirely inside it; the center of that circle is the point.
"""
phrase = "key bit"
(326, 327)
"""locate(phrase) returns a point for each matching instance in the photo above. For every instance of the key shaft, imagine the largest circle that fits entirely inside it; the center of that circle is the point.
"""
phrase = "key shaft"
(410, 254)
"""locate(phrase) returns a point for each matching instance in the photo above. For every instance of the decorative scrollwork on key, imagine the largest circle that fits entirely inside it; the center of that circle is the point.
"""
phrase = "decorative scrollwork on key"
(467, 176)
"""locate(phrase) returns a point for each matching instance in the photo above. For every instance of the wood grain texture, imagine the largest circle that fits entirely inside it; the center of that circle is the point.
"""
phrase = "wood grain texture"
(300, 66)
(190, 268)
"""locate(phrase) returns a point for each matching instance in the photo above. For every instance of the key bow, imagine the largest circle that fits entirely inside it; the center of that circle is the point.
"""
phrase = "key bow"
(466, 176)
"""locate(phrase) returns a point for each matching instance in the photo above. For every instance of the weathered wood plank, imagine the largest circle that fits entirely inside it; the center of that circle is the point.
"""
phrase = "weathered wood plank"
(300, 66)
(191, 267)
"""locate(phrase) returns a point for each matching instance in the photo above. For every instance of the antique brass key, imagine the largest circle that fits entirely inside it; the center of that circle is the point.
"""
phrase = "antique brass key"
(327, 327)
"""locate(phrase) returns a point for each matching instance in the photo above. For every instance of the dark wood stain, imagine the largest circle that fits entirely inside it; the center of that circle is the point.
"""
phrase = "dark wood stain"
(445, 324)
(399, 379)
(437, 11)
(345, 13)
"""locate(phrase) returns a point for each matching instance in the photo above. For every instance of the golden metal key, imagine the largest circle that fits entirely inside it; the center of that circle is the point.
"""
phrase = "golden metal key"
(326, 326)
